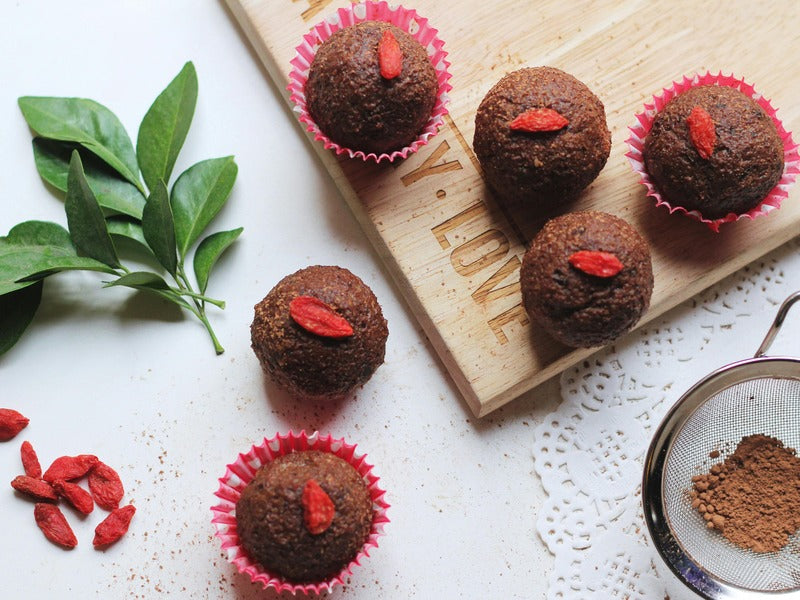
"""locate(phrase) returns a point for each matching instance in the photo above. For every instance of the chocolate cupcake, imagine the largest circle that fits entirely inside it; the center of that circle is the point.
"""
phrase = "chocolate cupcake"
(587, 278)
(362, 101)
(292, 509)
(714, 150)
(540, 136)
(304, 516)
(319, 333)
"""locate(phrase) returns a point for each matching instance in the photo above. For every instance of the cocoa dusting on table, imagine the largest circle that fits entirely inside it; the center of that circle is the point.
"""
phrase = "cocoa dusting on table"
(753, 495)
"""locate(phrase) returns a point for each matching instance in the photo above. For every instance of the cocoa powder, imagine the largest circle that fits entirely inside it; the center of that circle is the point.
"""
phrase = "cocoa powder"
(752, 497)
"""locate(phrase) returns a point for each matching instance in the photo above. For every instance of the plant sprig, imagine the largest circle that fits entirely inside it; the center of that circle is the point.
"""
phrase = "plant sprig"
(82, 150)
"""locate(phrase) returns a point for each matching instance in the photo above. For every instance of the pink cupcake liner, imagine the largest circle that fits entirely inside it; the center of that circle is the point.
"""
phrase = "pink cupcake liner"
(239, 473)
(406, 19)
(644, 121)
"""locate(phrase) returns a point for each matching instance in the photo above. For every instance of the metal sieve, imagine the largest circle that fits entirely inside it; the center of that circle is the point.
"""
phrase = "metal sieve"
(757, 395)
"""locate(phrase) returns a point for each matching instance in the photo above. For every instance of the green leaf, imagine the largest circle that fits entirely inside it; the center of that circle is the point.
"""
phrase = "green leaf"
(87, 225)
(126, 228)
(87, 123)
(35, 249)
(209, 250)
(140, 280)
(38, 233)
(149, 282)
(198, 195)
(113, 193)
(164, 127)
(16, 313)
(159, 229)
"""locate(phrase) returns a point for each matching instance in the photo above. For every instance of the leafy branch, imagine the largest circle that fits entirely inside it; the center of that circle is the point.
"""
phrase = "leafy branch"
(82, 150)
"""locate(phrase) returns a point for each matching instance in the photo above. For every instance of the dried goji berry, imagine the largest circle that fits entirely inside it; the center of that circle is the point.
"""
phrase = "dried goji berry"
(75, 495)
(702, 132)
(70, 467)
(535, 120)
(54, 525)
(106, 486)
(30, 462)
(113, 526)
(11, 423)
(598, 264)
(318, 508)
(390, 57)
(316, 317)
(35, 488)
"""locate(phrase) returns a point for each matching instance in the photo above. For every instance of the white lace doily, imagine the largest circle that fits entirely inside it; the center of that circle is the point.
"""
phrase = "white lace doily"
(589, 453)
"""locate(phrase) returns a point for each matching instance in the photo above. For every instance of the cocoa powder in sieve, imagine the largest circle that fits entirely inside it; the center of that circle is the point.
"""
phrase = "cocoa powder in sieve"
(753, 496)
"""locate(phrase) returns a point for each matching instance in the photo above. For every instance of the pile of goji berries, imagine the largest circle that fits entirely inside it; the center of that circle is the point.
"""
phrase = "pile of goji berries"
(59, 482)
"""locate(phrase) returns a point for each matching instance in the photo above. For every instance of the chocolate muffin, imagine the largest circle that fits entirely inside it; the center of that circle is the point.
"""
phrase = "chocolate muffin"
(744, 157)
(282, 519)
(587, 278)
(359, 108)
(554, 164)
(296, 350)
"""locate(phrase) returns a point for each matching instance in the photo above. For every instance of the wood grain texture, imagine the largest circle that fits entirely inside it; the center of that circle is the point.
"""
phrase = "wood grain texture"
(454, 253)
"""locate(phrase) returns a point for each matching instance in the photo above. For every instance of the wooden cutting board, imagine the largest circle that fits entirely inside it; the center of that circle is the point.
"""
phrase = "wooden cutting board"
(454, 253)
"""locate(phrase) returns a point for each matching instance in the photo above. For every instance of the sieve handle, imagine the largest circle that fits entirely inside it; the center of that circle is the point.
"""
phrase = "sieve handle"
(776, 324)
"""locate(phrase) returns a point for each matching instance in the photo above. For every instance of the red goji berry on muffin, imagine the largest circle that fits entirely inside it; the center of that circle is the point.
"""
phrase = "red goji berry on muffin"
(714, 150)
(371, 87)
(319, 333)
(587, 278)
(540, 136)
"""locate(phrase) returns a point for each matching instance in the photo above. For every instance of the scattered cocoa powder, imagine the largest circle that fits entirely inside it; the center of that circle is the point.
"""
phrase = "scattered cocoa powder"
(752, 497)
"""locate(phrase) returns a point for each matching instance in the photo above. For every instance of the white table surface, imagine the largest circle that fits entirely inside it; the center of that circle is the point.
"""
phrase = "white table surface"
(124, 376)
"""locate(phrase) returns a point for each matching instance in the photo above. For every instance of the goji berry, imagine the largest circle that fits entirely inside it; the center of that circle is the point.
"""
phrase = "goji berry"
(598, 264)
(30, 462)
(54, 525)
(70, 467)
(702, 132)
(315, 316)
(35, 488)
(390, 57)
(113, 526)
(106, 486)
(11, 423)
(535, 120)
(318, 508)
(75, 495)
